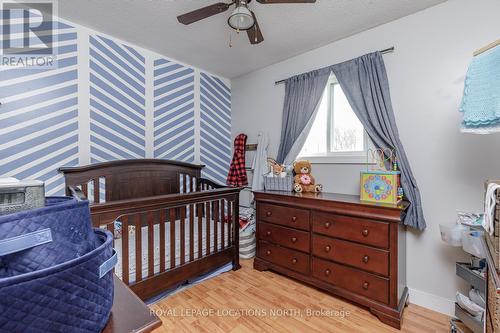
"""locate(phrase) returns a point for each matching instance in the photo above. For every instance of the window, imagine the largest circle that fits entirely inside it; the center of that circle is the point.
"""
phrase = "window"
(337, 135)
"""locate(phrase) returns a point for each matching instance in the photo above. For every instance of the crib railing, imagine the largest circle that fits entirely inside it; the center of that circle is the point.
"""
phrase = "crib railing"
(96, 190)
(174, 224)
(164, 240)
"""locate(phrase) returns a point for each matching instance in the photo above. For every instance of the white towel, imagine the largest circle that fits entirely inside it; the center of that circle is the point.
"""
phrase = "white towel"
(259, 164)
(489, 207)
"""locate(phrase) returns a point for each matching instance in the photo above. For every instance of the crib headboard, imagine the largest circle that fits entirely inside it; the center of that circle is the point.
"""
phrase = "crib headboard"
(130, 179)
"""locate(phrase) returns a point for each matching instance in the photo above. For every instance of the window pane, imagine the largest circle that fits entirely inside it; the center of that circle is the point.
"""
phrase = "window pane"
(316, 142)
(348, 132)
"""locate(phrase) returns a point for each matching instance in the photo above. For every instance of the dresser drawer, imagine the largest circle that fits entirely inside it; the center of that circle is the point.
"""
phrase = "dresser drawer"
(361, 256)
(292, 238)
(359, 282)
(292, 217)
(290, 259)
(352, 229)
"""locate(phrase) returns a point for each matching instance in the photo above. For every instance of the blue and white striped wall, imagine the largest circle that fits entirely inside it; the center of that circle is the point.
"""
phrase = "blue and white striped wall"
(215, 127)
(174, 114)
(117, 101)
(39, 116)
(108, 100)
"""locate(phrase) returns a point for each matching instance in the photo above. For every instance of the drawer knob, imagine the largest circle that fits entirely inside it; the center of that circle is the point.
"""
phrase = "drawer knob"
(365, 285)
(328, 248)
(327, 272)
(366, 258)
(365, 232)
(294, 218)
(327, 225)
(294, 261)
(294, 239)
(268, 233)
(269, 213)
(268, 252)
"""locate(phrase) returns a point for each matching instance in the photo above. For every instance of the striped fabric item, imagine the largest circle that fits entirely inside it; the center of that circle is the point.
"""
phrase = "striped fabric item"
(247, 244)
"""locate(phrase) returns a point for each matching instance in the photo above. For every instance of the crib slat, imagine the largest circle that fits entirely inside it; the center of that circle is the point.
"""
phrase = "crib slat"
(111, 228)
(207, 227)
(85, 190)
(230, 226)
(191, 232)
(96, 190)
(172, 237)
(163, 220)
(125, 254)
(138, 247)
(151, 248)
(200, 228)
(236, 225)
(107, 192)
(216, 225)
(183, 234)
(191, 184)
(184, 184)
(222, 223)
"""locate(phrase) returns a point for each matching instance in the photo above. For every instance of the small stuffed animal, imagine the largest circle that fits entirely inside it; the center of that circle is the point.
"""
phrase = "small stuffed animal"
(303, 180)
(277, 168)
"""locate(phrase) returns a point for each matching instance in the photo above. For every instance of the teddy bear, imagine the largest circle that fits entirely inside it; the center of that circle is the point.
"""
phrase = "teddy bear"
(303, 180)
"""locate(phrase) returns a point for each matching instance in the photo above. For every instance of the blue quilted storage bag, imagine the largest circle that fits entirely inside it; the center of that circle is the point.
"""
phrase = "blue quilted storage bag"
(74, 296)
(47, 236)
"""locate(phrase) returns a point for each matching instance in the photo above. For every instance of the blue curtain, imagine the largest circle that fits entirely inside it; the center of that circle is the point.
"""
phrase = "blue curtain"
(365, 84)
(302, 95)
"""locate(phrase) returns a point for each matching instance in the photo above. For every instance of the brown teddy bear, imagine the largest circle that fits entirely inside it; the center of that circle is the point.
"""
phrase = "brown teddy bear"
(303, 180)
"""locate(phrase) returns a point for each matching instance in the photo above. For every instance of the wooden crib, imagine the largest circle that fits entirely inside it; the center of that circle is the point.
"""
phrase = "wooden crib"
(170, 224)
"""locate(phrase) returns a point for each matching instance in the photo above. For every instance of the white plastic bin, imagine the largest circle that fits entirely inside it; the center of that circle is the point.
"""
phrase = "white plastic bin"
(452, 235)
(471, 243)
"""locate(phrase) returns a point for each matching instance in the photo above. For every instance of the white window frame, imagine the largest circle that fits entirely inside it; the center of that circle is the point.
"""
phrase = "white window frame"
(330, 157)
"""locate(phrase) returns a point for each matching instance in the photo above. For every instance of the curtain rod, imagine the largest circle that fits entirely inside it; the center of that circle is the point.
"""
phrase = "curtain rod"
(384, 51)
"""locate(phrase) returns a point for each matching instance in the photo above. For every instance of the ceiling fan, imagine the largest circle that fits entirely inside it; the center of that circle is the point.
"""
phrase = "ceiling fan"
(241, 18)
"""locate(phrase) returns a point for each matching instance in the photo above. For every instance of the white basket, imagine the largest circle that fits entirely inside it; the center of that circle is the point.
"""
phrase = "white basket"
(278, 183)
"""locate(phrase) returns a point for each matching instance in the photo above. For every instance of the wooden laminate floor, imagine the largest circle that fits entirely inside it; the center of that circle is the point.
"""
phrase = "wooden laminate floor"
(252, 301)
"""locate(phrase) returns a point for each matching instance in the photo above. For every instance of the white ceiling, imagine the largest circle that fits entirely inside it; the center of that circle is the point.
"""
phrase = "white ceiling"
(288, 29)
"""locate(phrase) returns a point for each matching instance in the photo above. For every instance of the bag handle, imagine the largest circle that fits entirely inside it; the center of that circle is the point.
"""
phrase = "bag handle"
(24, 242)
(108, 264)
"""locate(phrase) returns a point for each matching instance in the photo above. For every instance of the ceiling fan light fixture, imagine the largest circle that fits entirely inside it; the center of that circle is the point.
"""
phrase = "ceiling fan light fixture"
(241, 18)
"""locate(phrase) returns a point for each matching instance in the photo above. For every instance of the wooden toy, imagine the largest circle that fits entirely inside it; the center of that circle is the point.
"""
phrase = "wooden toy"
(381, 183)
(380, 186)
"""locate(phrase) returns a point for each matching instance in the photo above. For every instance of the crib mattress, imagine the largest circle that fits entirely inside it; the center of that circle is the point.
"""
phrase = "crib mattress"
(177, 238)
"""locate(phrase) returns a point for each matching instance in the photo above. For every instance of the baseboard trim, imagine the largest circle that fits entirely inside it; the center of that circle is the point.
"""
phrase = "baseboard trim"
(433, 302)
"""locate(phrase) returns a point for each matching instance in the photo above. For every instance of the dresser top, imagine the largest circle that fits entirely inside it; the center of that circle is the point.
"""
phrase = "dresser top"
(337, 197)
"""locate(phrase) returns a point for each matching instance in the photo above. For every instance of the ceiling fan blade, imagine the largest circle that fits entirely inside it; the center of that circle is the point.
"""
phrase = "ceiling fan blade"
(202, 13)
(285, 1)
(254, 33)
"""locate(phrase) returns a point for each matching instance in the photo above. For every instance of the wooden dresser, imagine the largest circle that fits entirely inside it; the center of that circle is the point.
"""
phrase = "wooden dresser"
(338, 244)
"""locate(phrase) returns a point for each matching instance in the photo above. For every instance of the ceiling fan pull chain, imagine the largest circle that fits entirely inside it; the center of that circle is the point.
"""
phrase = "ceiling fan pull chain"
(230, 41)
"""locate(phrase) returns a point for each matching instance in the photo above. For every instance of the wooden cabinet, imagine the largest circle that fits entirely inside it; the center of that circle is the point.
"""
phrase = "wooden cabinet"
(336, 243)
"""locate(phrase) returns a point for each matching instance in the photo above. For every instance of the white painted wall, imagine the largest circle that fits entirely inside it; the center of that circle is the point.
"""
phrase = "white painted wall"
(426, 73)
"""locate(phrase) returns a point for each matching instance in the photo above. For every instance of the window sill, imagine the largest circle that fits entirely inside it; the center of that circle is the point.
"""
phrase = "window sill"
(339, 160)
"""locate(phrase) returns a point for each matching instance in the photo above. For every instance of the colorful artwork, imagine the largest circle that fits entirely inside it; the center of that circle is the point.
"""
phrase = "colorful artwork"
(380, 186)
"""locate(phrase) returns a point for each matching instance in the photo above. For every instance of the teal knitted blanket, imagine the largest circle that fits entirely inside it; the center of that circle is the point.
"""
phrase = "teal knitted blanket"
(481, 99)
